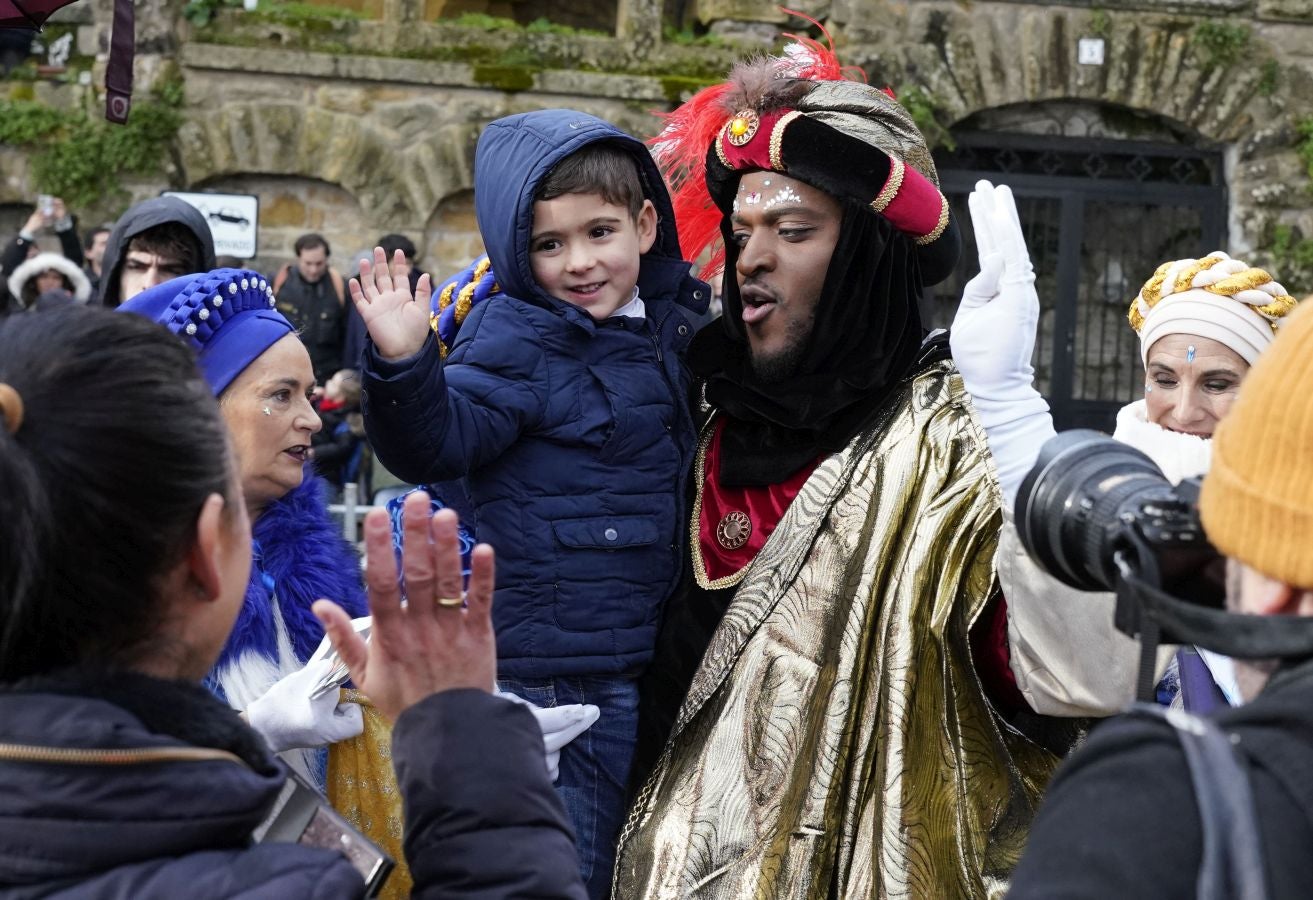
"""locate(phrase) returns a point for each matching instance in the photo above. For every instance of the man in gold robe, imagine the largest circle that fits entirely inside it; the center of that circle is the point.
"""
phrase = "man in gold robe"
(826, 714)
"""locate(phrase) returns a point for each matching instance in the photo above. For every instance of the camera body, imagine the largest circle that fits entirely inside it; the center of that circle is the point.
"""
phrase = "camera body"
(1098, 515)
(1093, 510)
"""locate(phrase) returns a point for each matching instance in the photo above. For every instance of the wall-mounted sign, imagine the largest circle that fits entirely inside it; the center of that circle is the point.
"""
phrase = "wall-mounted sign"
(233, 220)
(1089, 52)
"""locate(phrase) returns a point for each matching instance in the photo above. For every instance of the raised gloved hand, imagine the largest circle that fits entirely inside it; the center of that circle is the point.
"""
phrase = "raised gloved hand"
(993, 337)
(287, 718)
(560, 725)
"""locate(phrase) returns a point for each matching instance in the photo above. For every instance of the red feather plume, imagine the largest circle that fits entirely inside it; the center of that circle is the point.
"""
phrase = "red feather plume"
(680, 149)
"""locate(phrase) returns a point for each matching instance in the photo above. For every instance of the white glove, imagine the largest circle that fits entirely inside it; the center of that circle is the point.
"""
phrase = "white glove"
(287, 718)
(560, 725)
(993, 337)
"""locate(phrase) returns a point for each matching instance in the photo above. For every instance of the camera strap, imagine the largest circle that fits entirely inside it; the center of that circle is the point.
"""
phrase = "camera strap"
(1234, 634)
(1232, 861)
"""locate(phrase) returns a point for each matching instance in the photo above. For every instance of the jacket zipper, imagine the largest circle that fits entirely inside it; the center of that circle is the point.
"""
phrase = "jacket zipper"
(129, 756)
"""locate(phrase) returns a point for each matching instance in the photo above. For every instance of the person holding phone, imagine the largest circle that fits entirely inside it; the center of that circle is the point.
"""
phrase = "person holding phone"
(50, 214)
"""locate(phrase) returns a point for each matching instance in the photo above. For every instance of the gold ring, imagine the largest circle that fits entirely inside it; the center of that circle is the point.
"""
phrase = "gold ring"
(451, 601)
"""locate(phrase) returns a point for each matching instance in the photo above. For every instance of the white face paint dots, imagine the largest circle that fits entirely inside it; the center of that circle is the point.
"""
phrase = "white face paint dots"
(785, 194)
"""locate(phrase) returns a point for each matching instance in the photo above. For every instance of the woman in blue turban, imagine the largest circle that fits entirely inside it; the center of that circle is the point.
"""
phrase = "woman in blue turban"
(261, 373)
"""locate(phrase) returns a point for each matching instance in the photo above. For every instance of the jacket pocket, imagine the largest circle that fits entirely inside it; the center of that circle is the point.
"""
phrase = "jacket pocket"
(606, 532)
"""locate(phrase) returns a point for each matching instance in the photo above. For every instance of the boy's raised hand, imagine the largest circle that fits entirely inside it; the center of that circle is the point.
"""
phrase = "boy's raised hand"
(397, 323)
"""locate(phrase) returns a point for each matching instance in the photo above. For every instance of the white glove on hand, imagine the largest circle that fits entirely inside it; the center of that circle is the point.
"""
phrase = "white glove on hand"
(560, 725)
(993, 337)
(287, 718)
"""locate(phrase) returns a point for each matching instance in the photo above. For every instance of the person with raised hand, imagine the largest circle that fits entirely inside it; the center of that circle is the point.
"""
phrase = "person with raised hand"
(1202, 323)
(122, 573)
(559, 399)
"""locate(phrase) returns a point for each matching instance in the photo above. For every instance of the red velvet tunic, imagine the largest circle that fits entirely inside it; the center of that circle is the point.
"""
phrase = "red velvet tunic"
(764, 506)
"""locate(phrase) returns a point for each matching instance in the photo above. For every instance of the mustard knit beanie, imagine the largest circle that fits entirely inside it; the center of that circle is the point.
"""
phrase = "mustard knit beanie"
(1257, 502)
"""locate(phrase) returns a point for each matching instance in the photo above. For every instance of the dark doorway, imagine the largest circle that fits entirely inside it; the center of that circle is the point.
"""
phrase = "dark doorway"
(1099, 216)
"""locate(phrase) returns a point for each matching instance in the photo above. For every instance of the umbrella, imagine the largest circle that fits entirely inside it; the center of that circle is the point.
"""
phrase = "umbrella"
(28, 13)
(122, 47)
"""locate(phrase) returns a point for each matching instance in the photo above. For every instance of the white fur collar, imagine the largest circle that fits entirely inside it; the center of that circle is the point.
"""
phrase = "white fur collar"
(1180, 456)
(40, 263)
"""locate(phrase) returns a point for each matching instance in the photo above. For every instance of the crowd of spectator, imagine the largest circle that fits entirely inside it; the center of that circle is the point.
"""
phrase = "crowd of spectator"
(163, 238)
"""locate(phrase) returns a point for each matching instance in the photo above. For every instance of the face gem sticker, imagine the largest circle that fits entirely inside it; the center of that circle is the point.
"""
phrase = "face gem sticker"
(1189, 353)
(785, 194)
(753, 198)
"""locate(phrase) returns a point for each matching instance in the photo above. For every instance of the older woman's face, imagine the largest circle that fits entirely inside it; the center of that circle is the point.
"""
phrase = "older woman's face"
(269, 414)
(1191, 382)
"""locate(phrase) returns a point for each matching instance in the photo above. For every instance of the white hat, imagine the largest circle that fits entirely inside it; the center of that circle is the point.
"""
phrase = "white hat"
(43, 262)
(1215, 297)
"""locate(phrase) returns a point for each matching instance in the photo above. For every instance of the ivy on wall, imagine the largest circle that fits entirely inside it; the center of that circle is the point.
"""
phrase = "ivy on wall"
(926, 111)
(1220, 44)
(1291, 252)
(77, 155)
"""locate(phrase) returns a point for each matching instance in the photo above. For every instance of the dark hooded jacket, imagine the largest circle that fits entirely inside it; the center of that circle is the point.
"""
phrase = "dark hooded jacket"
(482, 820)
(573, 437)
(1122, 816)
(137, 219)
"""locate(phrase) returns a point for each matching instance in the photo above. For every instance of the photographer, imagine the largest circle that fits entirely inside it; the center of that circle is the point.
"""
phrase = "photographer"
(1122, 817)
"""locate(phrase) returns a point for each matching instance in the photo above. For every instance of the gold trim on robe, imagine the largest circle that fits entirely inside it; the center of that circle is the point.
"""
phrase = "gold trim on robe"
(836, 741)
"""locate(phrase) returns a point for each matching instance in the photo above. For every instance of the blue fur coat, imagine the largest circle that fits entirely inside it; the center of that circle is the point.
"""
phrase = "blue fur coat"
(299, 554)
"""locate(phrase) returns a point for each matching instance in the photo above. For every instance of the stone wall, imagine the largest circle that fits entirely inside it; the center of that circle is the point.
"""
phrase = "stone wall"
(371, 124)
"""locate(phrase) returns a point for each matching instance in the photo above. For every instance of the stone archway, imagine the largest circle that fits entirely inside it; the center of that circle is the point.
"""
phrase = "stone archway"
(1105, 195)
(1027, 54)
(451, 236)
(398, 179)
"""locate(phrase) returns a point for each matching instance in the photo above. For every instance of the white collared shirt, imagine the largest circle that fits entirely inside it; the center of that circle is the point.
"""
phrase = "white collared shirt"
(634, 309)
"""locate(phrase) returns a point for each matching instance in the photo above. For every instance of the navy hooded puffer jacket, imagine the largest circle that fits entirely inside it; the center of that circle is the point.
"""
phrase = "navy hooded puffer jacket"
(573, 437)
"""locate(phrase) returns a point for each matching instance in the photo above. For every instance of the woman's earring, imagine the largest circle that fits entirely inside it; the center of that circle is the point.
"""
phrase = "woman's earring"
(267, 412)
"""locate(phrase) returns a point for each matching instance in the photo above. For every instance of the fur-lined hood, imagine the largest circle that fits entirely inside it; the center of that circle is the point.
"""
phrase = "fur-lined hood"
(29, 270)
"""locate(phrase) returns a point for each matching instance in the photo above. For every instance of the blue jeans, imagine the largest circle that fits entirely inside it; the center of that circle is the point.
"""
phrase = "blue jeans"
(594, 766)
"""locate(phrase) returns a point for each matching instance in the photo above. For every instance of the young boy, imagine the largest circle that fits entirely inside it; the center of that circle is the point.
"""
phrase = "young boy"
(562, 406)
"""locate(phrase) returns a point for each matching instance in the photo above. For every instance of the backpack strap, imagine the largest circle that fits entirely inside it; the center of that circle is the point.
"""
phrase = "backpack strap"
(1232, 864)
(339, 286)
(281, 278)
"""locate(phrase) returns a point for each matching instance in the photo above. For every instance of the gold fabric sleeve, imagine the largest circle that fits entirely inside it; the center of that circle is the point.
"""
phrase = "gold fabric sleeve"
(836, 741)
(362, 786)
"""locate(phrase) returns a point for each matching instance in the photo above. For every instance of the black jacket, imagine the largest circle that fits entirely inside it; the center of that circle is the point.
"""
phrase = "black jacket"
(1121, 820)
(319, 315)
(482, 821)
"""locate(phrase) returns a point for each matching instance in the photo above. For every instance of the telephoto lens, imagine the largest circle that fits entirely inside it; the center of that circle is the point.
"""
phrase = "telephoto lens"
(1089, 497)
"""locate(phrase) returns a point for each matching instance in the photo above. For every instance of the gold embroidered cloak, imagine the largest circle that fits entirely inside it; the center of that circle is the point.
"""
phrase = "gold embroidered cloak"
(836, 741)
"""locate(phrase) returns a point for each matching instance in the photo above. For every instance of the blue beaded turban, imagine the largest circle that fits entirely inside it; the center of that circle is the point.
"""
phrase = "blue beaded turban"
(226, 316)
